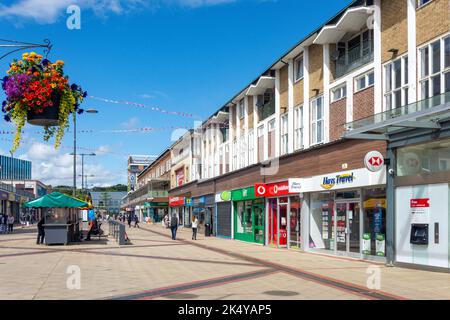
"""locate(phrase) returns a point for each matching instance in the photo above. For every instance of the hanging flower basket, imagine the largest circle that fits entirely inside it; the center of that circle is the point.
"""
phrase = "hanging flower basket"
(38, 92)
(49, 117)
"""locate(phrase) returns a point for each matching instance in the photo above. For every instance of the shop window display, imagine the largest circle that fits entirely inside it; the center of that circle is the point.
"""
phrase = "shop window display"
(322, 221)
(374, 222)
(295, 222)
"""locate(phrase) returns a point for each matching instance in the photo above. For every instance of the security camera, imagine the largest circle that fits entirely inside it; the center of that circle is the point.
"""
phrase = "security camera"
(391, 172)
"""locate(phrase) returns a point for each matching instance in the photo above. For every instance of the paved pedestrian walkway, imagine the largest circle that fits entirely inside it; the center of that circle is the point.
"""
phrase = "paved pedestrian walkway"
(156, 267)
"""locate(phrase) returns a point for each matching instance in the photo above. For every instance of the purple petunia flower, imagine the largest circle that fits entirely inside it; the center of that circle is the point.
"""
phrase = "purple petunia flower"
(7, 118)
(13, 86)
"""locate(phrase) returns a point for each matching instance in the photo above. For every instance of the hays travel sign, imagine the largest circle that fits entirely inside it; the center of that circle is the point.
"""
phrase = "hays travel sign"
(340, 179)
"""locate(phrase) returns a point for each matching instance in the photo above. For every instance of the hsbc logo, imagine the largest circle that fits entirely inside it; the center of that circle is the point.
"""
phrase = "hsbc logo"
(374, 161)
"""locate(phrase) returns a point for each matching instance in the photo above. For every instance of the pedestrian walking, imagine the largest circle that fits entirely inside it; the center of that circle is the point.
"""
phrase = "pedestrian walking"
(166, 221)
(136, 221)
(174, 226)
(194, 228)
(3, 223)
(10, 223)
(41, 231)
(129, 220)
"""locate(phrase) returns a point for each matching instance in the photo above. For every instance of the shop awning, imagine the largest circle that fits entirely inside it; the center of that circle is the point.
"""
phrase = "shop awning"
(425, 114)
(56, 200)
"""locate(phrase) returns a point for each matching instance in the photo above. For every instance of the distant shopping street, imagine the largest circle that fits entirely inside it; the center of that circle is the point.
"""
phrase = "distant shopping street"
(154, 266)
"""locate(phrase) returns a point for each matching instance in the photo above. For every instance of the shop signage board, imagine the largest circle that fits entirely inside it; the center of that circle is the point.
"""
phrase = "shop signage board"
(296, 185)
(223, 196)
(272, 189)
(420, 211)
(155, 204)
(176, 201)
(374, 161)
(346, 179)
(366, 244)
(243, 194)
(200, 201)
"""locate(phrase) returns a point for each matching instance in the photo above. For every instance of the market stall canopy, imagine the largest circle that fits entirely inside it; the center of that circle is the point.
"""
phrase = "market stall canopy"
(56, 200)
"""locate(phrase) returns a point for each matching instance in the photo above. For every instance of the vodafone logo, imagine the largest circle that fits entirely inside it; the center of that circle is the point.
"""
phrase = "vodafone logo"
(374, 161)
(260, 190)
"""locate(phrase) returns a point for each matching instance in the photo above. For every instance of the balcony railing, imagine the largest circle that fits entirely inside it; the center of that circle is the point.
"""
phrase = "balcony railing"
(431, 109)
(354, 59)
(10, 188)
(158, 194)
(266, 110)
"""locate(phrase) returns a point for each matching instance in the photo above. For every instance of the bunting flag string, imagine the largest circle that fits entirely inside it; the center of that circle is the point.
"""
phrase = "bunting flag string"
(137, 130)
(141, 105)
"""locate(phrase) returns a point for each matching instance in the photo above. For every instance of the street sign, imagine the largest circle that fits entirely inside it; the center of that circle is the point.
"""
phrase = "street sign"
(374, 161)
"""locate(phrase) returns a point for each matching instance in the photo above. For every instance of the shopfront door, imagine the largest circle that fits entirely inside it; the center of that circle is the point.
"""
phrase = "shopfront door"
(258, 214)
(347, 219)
(295, 223)
(282, 222)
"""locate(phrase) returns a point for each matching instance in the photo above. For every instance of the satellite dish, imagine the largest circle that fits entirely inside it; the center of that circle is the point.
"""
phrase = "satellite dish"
(335, 55)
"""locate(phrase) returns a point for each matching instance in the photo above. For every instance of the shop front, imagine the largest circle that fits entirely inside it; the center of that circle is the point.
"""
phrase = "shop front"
(418, 192)
(248, 218)
(422, 203)
(182, 208)
(155, 211)
(347, 213)
(283, 218)
(223, 215)
(204, 210)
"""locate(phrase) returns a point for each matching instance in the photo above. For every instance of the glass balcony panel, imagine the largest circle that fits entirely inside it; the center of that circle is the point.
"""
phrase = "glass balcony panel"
(355, 57)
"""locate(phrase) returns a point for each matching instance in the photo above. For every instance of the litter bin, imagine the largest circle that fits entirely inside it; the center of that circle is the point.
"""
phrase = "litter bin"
(207, 230)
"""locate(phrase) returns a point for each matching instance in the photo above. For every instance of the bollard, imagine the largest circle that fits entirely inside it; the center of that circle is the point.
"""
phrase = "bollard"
(121, 234)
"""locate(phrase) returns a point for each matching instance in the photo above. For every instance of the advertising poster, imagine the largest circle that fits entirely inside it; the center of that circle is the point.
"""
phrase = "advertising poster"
(366, 243)
(380, 245)
(420, 211)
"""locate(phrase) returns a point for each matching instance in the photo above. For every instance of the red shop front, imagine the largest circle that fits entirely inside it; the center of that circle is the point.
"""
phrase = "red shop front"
(283, 214)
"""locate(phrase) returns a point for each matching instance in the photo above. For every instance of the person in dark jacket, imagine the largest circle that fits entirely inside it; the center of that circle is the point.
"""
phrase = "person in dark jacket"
(136, 221)
(174, 226)
(41, 231)
(129, 220)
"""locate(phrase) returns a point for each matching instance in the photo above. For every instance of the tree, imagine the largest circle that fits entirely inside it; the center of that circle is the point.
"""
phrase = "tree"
(105, 198)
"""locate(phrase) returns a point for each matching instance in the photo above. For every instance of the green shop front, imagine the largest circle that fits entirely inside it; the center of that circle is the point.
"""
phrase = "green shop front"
(248, 217)
(155, 211)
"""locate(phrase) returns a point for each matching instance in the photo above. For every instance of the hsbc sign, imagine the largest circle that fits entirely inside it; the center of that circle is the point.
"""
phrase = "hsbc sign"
(374, 161)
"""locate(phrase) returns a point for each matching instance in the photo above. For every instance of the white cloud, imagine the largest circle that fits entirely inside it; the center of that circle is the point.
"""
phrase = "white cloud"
(56, 168)
(132, 123)
(49, 11)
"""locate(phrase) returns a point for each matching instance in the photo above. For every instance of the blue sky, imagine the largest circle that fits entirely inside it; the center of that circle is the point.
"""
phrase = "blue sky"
(180, 55)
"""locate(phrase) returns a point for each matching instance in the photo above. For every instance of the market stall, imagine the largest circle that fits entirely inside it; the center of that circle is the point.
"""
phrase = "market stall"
(62, 217)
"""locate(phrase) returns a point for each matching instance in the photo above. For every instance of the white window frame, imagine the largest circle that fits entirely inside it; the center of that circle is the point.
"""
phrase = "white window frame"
(271, 127)
(366, 77)
(298, 77)
(442, 73)
(389, 95)
(251, 148)
(235, 155)
(242, 151)
(241, 109)
(317, 118)
(422, 3)
(298, 128)
(284, 134)
(342, 89)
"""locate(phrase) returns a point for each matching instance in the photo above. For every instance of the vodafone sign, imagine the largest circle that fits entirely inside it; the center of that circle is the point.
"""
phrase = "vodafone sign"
(272, 190)
(374, 161)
